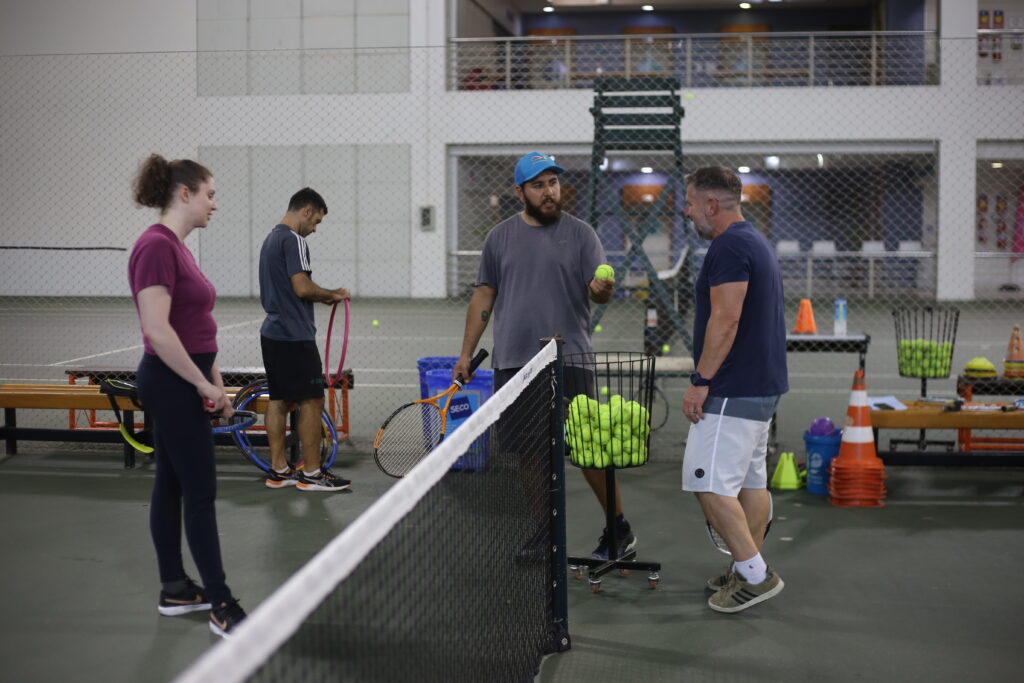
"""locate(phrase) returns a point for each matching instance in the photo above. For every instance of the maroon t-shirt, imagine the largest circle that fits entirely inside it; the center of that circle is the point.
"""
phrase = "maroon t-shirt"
(160, 258)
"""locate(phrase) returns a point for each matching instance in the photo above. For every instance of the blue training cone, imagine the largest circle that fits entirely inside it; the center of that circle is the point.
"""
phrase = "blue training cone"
(786, 476)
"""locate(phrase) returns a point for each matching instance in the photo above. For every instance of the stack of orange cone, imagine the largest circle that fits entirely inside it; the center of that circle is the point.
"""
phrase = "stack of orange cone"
(857, 472)
(805, 319)
(1013, 364)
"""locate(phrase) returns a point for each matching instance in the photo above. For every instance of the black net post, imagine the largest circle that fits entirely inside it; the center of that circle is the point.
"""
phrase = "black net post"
(559, 635)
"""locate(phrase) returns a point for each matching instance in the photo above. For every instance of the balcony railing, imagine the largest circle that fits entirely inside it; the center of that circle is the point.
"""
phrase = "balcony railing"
(865, 59)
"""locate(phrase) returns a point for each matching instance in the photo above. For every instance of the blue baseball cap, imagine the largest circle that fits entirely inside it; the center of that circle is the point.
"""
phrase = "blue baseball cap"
(533, 164)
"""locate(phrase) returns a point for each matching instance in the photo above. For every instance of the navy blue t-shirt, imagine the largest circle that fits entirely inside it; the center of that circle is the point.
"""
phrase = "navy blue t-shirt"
(289, 318)
(756, 364)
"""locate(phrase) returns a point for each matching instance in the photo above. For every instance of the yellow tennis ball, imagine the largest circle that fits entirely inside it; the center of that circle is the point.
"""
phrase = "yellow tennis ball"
(666, 348)
(604, 391)
(376, 323)
(597, 328)
(604, 272)
(688, 96)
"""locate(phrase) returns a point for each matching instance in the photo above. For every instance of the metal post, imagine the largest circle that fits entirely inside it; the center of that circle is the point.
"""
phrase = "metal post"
(810, 61)
(689, 62)
(627, 55)
(568, 64)
(560, 640)
(874, 58)
(750, 60)
(508, 65)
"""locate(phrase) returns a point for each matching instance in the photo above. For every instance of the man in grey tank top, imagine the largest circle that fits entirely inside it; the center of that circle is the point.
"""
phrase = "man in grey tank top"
(537, 279)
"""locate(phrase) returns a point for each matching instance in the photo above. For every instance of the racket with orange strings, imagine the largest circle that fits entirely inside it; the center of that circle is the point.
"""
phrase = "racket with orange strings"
(415, 429)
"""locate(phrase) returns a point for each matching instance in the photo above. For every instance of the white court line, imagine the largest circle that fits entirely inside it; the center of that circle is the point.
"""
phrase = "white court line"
(133, 348)
(115, 475)
(957, 503)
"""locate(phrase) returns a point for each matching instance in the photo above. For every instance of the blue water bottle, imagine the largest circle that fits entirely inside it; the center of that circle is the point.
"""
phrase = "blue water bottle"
(839, 318)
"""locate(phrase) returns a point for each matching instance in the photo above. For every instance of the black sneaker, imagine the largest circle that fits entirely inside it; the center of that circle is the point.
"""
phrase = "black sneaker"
(191, 598)
(279, 480)
(325, 480)
(225, 617)
(626, 541)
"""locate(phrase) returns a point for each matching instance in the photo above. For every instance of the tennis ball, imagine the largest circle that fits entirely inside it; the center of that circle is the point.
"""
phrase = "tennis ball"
(604, 272)
(376, 323)
(597, 328)
(604, 391)
(666, 348)
(688, 96)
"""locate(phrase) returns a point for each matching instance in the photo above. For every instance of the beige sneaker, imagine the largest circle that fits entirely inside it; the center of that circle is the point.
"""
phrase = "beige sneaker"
(717, 583)
(738, 595)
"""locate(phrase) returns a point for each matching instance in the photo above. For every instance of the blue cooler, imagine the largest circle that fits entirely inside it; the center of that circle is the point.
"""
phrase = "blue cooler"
(464, 403)
(820, 451)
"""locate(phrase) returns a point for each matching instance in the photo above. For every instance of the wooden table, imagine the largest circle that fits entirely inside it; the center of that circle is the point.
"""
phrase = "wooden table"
(922, 415)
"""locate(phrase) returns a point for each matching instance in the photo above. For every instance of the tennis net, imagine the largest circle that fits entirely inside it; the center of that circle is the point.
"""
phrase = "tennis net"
(449, 576)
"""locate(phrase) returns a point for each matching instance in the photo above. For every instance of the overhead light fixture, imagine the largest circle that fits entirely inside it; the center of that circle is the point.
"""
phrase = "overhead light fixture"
(648, 8)
(997, 164)
(743, 169)
(604, 164)
(647, 169)
(549, 8)
(821, 161)
(744, 5)
(771, 162)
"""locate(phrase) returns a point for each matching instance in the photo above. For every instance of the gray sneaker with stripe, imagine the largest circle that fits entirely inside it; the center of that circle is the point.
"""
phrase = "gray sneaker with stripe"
(738, 595)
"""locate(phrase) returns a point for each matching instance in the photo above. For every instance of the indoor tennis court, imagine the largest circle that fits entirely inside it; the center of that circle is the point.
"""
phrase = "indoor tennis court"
(882, 156)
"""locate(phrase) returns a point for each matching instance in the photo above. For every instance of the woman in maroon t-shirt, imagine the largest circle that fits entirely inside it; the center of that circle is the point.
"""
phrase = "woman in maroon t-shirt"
(180, 385)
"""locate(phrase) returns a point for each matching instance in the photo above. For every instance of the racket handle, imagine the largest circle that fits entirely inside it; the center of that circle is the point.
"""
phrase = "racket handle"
(473, 365)
(208, 403)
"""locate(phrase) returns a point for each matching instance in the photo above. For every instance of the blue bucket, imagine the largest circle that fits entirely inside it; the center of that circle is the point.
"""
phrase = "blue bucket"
(464, 403)
(820, 451)
(428, 363)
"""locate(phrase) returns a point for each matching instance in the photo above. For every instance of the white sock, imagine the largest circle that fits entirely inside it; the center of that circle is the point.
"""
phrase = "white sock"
(283, 470)
(753, 570)
(313, 473)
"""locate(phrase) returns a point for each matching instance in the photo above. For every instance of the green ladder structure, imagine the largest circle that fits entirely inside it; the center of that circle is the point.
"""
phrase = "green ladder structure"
(650, 123)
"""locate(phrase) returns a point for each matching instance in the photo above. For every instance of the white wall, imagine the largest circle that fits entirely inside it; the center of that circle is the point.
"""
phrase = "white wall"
(62, 98)
(58, 27)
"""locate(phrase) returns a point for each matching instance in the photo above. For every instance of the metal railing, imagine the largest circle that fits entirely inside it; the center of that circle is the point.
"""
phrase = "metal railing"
(707, 60)
(1000, 57)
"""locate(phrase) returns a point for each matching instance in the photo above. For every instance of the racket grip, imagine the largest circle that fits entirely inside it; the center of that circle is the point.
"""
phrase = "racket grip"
(474, 363)
(208, 403)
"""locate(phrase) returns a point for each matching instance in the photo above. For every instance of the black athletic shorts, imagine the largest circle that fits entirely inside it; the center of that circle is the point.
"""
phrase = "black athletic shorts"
(294, 370)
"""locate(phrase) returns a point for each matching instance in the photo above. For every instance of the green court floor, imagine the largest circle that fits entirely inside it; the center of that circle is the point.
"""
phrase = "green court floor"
(923, 589)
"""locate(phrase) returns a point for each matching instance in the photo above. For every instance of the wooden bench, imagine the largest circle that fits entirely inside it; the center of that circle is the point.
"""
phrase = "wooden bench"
(231, 376)
(73, 397)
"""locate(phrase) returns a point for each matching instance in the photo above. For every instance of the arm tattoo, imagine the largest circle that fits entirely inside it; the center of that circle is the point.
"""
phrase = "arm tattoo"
(485, 315)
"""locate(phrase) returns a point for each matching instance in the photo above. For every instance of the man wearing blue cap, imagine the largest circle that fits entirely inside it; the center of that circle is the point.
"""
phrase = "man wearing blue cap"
(536, 278)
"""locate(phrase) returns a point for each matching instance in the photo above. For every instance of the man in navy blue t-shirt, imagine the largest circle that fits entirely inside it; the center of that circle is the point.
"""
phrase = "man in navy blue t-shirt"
(739, 347)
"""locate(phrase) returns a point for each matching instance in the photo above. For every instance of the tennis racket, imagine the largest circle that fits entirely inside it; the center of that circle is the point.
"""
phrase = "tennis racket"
(242, 419)
(415, 429)
(719, 542)
(113, 388)
(331, 380)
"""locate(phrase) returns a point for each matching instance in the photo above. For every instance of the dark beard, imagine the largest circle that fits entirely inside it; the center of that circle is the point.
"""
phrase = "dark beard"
(536, 213)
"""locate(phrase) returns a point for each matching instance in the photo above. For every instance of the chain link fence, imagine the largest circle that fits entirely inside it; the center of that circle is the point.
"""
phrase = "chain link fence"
(413, 151)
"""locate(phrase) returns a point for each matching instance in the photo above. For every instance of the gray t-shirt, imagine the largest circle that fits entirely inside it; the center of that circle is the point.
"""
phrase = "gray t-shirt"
(541, 275)
(289, 318)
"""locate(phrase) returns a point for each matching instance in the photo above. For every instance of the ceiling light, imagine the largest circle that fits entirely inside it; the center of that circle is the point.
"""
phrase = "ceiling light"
(648, 8)
(549, 8)
(744, 5)
(771, 162)
(647, 169)
(821, 161)
(743, 169)
(997, 164)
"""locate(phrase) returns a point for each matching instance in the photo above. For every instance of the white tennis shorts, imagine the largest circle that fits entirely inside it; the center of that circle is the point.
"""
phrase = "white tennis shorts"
(728, 449)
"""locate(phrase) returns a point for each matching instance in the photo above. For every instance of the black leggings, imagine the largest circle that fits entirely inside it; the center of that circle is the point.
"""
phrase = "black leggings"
(186, 476)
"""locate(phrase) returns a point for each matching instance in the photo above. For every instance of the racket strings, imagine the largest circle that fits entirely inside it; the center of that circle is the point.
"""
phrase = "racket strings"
(408, 435)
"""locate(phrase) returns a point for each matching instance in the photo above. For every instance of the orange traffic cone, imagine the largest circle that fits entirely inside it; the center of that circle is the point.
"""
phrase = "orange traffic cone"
(1013, 365)
(805, 319)
(857, 472)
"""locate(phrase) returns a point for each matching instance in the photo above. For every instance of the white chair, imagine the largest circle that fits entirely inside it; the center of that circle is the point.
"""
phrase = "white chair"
(872, 247)
(910, 245)
(823, 247)
(787, 247)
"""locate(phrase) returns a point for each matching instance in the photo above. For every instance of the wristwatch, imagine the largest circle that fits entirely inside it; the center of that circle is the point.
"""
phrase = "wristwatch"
(698, 381)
